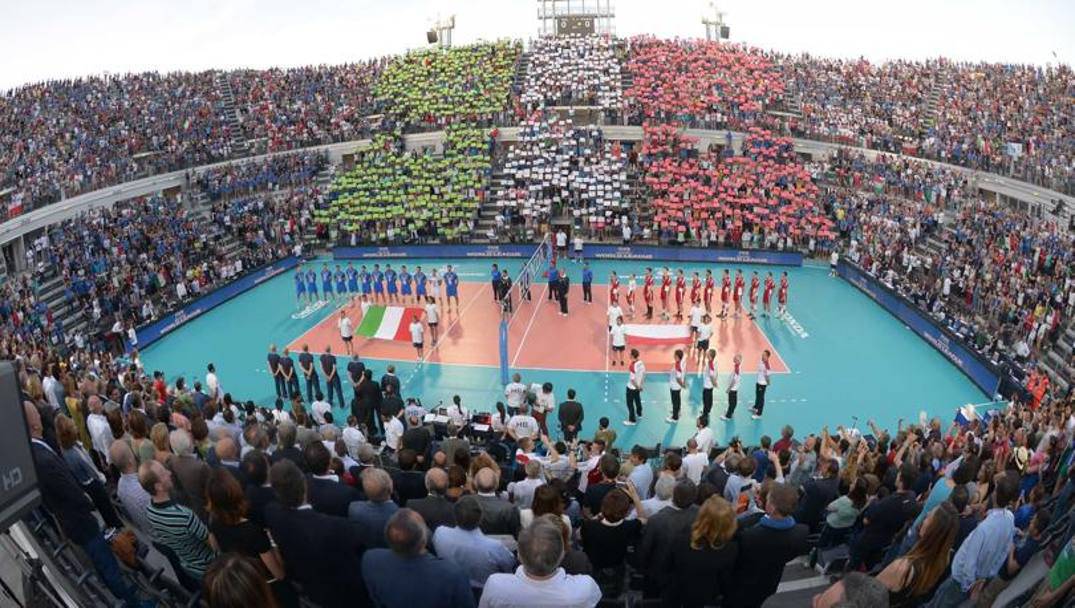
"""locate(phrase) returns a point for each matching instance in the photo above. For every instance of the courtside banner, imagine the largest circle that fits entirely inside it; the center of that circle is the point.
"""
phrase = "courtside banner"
(693, 254)
(150, 333)
(981, 372)
(511, 250)
(594, 251)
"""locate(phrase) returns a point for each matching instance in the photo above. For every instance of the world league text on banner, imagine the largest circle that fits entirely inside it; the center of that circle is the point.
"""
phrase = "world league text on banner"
(983, 373)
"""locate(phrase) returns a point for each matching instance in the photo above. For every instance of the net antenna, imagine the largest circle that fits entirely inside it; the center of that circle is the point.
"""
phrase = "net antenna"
(520, 297)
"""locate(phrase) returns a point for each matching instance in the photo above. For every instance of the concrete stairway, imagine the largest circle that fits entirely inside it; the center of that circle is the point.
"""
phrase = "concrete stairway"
(232, 116)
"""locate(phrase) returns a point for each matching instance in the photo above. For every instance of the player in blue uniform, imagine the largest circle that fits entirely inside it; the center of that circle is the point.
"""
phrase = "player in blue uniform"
(390, 282)
(311, 285)
(326, 282)
(404, 284)
(341, 285)
(554, 277)
(378, 283)
(300, 286)
(352, 282)
(451, 285)
(419, 284)
(366, 279)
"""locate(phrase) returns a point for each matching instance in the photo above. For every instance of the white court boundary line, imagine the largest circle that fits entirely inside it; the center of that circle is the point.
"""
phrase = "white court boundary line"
(533, 315)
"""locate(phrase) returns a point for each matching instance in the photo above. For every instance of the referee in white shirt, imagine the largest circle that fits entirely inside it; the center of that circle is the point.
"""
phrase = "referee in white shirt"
(761, 385)
(635, 381)
(709, 380)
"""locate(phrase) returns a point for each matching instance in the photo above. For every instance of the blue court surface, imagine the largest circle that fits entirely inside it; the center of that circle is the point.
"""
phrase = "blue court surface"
(850, 360)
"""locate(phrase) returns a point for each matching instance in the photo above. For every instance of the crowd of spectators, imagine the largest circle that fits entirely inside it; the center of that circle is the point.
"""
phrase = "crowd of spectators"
(994, 275)
(393, 195)
(961, 113)
(698, 82)
(308, 105)
(281, 171)
(573, 70)
(62, 138)
(436, 87)
(556, 167)
(763, 196)
(356, 504)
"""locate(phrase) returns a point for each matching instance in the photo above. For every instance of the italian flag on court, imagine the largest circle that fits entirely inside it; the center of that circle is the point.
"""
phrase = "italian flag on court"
(654, 333)
(388, 322)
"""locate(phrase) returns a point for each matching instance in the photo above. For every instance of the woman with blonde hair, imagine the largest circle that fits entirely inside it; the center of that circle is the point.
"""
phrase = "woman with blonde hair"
(702, 560)
(912, 578)
(161, 447)
(84, 471)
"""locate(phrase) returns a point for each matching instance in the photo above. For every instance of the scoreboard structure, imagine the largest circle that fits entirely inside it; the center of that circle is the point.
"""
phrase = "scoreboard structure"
(575, 17)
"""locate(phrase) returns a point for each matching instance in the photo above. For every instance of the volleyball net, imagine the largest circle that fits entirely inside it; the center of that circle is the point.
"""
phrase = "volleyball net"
(520, 296)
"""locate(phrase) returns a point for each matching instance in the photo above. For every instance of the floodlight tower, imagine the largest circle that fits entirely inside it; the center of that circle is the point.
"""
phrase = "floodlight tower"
(441, 32)
(715, 28)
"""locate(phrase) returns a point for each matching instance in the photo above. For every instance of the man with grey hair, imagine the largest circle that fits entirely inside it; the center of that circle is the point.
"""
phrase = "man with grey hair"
(286, 433)
(434, 507)
(662, 497)
(498, 515)
(522, 492)
(371, 515)
(854, 590)
(132, 495)
(191, 473)
(540, 581)
(387, 571)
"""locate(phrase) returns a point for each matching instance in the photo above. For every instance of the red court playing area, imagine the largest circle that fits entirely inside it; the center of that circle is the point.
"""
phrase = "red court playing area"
(539, 338)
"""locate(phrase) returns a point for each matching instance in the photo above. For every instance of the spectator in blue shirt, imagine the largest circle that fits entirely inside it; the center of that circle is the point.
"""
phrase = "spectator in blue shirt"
(985, 550)
(466, 545)
(371, 515)
(387, 571)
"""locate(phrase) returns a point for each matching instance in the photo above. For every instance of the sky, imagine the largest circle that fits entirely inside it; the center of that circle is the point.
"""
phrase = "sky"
(43, 39)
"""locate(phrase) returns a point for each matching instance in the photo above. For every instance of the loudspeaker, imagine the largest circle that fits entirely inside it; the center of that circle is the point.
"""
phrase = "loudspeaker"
(431, 37)
(725, 32)
(18, 478)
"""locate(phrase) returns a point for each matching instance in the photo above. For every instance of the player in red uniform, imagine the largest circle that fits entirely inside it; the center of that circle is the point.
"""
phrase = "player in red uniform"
(681, 290)
(737, 293)
(696, 288)
(613, 288)
(725, 293)
(754, 294)
(647, 292)
(666, 287)
(767, 295)
(782, 295)
(708, 292)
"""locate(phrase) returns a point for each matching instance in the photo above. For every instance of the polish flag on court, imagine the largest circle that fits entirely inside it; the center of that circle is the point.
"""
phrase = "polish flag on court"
(653, 333)
(388, 322)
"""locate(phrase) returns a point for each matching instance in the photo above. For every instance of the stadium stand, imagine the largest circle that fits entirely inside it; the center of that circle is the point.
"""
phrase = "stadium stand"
(917, 514)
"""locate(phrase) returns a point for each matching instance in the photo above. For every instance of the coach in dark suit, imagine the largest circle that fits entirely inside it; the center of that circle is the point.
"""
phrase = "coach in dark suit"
(765, 548)
(661, 533)
(73, 510)
(434, 508)
(323, 553)
(563, 287)
(326, 494)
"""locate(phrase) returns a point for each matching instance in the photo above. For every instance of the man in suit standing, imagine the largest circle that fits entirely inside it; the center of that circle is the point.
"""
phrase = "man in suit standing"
(563, 286)
(818, 493)
(323, 553)
(434, 508)
(765, 548)
(325, 492)
(498, 515)
(661, 533)
(191, 473)
(64, 498)
(571, 415)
